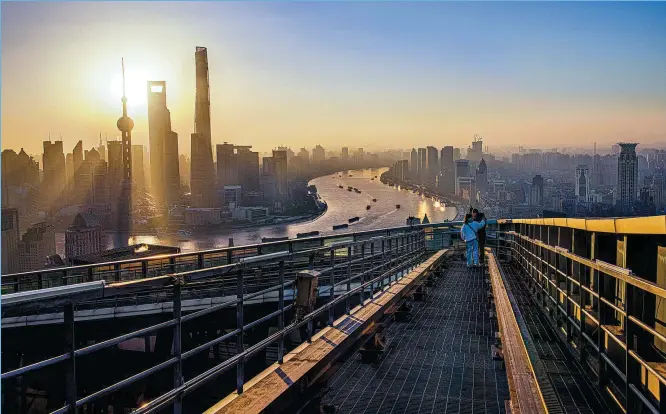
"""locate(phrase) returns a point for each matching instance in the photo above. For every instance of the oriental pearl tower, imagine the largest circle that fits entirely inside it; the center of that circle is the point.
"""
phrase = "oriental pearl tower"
(125, 125)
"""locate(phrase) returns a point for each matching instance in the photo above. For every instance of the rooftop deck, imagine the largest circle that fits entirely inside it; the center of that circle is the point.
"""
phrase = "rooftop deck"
(440, 361)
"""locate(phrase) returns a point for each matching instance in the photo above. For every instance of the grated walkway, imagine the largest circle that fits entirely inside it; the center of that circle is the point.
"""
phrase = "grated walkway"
(438, 362)
(567, 389)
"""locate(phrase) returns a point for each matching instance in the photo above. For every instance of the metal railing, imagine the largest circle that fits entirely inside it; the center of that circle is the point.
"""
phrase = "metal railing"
(134, 269)
(608, 315)
(355, 269)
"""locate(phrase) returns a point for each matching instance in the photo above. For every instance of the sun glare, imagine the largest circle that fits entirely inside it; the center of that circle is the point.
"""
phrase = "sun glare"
(135, 87)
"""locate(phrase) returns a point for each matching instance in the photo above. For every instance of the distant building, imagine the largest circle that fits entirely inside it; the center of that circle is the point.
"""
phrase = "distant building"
(249, 213)
(462, 171)
(164, 164)
(281, 166)
(627, 172)
(422, 164)
(582, 189)
(433, 164)
(414, 164)
(345, 154)
(55, 176)
(10, 240)
(232, 196)
(318, 154)
(536, 191)
(138, 171)
(36, 245)
(482, 177)
(203, 216)
(84, 236)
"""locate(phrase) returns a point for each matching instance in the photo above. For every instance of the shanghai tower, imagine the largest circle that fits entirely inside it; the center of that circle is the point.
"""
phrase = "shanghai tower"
(202, 178)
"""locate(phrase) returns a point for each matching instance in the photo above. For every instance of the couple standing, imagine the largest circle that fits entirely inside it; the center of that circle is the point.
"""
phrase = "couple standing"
(473, 232)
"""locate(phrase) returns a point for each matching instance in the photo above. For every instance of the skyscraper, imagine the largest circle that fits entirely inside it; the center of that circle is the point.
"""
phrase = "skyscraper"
(138, 171)
(202, 174)
(227, 165)
(447, 166)
(115, 168)
(482, 177)
(10, 240)
(422, 163)
(280, 165)
(627, 173)
(318, 154)
(164, 171)
(54, 171)
(462, 171)
(345, 153)
(582, 184)
(536, 192)
(414, 164)
(433, 165)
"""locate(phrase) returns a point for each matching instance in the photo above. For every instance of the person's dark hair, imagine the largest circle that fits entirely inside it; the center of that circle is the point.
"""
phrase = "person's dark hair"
(467, 217)
(475, 211)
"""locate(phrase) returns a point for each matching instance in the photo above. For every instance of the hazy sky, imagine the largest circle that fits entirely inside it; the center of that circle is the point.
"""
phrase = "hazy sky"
(359, 74)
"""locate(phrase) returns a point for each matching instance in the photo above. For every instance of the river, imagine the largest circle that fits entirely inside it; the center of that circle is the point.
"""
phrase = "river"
(342, 205)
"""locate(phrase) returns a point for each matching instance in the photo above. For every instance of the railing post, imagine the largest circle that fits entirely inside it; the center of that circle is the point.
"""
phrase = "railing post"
(200, 261)
(384, 263)
(632, 367)
(281, 315)
(349, 274)
(361, 292)
(331, 291)
(240, 365)
(372, 271)
(177, 344)
(70, 347)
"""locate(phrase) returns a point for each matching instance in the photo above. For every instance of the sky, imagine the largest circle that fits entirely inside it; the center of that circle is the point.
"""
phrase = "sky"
(362, 74)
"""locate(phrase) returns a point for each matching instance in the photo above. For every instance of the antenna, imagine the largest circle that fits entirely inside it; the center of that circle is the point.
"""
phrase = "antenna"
(122, 62)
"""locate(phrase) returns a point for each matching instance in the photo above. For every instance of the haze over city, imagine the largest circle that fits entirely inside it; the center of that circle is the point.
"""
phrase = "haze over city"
(373, 75)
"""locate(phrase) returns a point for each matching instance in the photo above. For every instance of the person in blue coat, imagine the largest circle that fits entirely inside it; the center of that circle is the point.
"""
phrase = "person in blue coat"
(468, 233)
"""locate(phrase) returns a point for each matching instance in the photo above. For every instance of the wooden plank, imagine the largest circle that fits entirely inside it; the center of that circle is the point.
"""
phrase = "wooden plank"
(267, 387)
(524, 390)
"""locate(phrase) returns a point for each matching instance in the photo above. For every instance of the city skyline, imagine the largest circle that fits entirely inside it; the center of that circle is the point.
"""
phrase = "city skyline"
(302, 73)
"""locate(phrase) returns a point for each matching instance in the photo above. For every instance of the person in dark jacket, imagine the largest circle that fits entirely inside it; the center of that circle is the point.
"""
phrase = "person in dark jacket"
(481, 235)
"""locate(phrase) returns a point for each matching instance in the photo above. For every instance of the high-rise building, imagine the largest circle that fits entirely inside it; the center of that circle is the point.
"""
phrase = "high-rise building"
(77, 156)
(414, 164)
(482, 177)
(627, 172)
(456, 154)
(91, 182)
(280, 163)
(115, 168)
(248, 168)
(227, 165)
(69, 170)
(475, 152)
(37, 244)
(433, 164)
(462, 171)
(422, 163)
(164, 166)
(232, 196)
(447, 166)
(138, 171)
(582, 184)
(202, 174)
(345, 153)
(84, 236)
(318, 154)
(54, 171)
(10, 240)
(536, 191)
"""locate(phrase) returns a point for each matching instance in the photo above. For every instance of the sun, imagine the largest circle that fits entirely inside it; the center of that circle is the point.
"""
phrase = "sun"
(135, 87)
